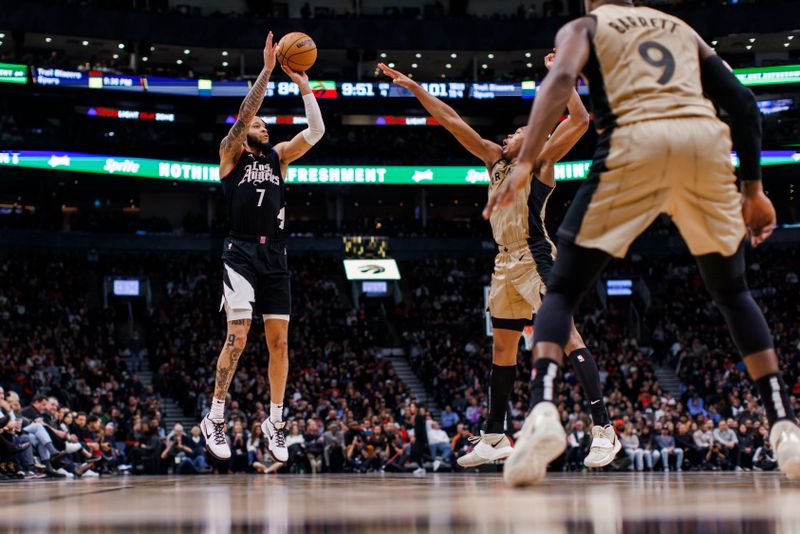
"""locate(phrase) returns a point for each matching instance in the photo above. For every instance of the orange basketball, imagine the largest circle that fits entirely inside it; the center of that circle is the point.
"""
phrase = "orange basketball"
(297, 51)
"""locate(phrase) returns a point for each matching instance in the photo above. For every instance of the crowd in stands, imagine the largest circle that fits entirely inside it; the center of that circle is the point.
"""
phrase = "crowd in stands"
(713, 422)
(73, 403)
(69, 405)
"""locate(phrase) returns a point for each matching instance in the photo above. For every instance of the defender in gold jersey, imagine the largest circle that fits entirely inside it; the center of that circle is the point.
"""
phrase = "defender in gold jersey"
(521, 269)
(661, 149)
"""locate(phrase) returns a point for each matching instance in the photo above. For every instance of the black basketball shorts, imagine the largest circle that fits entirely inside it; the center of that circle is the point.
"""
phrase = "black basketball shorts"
(255, 280)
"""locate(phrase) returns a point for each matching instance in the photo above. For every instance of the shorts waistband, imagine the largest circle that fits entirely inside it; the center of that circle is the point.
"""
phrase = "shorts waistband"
(513, 247)
(258, 239)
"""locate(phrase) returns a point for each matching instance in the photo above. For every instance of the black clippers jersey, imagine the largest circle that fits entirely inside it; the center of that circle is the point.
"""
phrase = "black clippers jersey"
(255, 193)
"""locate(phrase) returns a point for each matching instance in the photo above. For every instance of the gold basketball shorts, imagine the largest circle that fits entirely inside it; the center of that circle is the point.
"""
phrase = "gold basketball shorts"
(681, 167)
(517, 286)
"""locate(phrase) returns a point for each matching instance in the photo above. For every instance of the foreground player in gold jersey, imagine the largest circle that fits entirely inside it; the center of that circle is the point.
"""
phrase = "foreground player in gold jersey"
(661, 149)
(521, 269)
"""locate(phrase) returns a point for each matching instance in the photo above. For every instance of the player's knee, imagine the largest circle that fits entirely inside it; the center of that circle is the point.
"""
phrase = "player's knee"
(566, 289)
(504, 353)
(278, 346)
(575, 342)
(727, 293)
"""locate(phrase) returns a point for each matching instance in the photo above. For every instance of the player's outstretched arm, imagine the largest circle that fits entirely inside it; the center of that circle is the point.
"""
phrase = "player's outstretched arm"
(231, 145)
(301, 143)
(573, 43)
(568, 132)
(486, 150)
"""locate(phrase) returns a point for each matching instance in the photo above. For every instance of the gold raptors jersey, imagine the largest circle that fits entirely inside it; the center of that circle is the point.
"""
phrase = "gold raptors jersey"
(522, 223)
(645, 66)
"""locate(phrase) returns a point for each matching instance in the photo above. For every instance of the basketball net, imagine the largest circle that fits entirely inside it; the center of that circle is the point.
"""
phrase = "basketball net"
(527, 335)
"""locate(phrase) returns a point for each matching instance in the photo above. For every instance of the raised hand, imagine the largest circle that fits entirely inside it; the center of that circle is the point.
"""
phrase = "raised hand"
(549, 59)
(397, 77)
(300, 78)
(269, 53)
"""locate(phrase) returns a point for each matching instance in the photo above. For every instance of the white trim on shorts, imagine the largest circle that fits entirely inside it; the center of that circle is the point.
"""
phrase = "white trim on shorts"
(275, 317)
(237, 301)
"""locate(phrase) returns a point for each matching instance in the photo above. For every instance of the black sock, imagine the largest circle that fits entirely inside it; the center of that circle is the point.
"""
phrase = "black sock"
(775, 398)
(589, 377)
(544, 381)
(502, 382)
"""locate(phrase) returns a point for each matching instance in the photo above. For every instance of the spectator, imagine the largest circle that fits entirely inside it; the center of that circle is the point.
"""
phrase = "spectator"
(178, 454)
(764, 458)
(648, 444)
(704, 437)
(728, 443)
(666, 445)
(578, 441)
(439, 444)
(449, 419)
(746, 446)
(630, 442)
(684, 440)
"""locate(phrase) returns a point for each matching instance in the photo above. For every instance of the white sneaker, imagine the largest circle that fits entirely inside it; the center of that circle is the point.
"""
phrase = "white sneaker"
(72, 448)
(541, 440)
(64, 472)
(604, 448)
(487, 448)
(276, 440)
(216, 440)
(785, 440)
(436, 465)
(419, 471)
(90, 474)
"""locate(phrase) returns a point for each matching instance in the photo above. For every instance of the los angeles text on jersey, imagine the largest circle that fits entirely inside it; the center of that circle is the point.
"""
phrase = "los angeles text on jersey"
(623, 24)
(258, 173)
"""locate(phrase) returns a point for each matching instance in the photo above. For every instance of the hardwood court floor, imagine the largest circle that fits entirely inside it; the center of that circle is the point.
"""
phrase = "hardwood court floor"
(591, 503)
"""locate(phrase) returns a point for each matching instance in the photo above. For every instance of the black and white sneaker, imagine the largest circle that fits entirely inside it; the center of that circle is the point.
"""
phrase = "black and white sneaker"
(276, 440)
(216, 440)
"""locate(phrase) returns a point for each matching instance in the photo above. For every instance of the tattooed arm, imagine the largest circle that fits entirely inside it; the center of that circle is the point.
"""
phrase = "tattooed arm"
(231, 145)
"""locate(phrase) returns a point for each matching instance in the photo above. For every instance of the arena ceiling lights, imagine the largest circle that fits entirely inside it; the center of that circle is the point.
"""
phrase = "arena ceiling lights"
(125, 166)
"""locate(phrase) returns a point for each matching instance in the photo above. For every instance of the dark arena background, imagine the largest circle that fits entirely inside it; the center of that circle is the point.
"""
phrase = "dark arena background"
(112, 221)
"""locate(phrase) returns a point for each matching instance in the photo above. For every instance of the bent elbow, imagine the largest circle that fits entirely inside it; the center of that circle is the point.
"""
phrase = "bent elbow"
(582, 122)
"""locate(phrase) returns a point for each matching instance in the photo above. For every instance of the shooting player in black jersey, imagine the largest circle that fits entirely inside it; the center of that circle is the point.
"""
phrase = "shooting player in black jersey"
(256, 275)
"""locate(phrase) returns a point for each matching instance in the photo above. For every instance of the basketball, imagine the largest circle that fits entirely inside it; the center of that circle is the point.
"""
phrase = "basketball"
(297, 51)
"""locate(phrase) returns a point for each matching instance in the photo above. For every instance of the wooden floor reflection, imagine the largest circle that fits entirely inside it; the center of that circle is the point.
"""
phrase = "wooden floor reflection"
(591, 503)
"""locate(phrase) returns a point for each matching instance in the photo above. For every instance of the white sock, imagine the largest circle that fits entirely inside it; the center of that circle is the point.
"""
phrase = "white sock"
(217, 409)
(275, 412)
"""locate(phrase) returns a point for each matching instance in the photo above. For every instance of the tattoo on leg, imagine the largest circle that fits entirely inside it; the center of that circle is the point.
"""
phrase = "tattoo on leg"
(240, 322)
(225, 373)
(231, 340)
